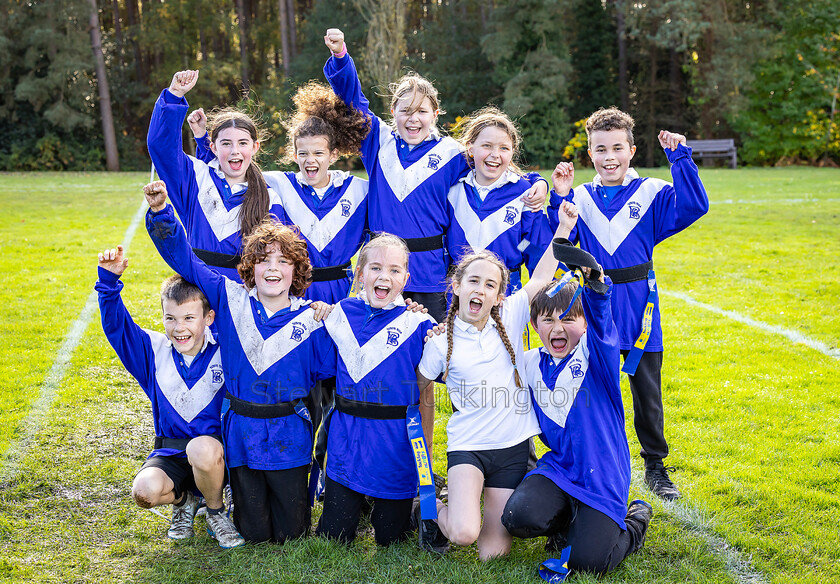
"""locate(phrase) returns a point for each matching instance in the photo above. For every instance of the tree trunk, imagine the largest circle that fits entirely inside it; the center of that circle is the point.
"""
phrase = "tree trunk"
(292, 22)
(386, 44)
(284, 37)
(622, 55)
(115, 7)
(243, 46)
(112, 159)
(652, 105)
(133, 23)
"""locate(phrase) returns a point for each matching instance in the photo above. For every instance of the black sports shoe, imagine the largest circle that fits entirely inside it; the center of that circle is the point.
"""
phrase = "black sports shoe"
(639, 514)
(430, 536)
(656, 477)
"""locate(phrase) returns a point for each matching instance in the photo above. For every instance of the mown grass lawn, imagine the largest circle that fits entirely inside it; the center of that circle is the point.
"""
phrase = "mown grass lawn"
(752, 418)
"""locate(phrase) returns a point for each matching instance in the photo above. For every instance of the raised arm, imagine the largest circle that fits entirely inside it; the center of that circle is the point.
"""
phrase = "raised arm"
(340, 71)
(562, 179)
(547, 266)
(688, 201)
(130, 342)
(169, 238)
(198, 124)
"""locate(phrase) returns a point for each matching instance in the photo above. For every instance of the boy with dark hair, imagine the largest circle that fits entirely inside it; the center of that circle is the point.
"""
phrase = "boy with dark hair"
(622, 218)
(577, 495)
(181, 373)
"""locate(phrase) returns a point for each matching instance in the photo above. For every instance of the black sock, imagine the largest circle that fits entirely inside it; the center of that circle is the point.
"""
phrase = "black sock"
(215, 511)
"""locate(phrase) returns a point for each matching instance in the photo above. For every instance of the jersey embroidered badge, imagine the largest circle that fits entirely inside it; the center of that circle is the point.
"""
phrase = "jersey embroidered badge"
(611, 233)
(403, 181)
(187, 401)
(511, 213)
(264, 353)
(360, 360)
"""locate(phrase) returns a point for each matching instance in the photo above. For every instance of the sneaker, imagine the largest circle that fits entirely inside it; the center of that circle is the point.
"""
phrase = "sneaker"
(430, 536)
(639, 513)
(182, 517)
(656, 477)
(441, 490)
(221, 528)
(227, 499)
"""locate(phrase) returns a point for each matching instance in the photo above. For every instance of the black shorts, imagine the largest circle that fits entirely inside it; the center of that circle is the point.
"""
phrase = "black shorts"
(503, 468)
(176, 468)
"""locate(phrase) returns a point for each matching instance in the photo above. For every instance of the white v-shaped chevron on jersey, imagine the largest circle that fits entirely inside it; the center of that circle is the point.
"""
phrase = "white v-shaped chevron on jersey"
(403, 181)
(612, 233)
(263, 353)
(224, 223)
(187, 401)
(481, 233)
(556, 403)
(319, 232)
(361, 360)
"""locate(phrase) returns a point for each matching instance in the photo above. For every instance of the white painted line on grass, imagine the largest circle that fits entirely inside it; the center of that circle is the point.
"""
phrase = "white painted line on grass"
(780, 201)
(49, 388)
(700, 524)
(792, 335)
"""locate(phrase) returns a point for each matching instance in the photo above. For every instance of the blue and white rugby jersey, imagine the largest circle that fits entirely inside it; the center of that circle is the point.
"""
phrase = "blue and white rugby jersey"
(267, 360)
(186, 399)
(408, 186)
(378, 353)
(623, 234)
(205, 202)
(578, 405)
(500, 223)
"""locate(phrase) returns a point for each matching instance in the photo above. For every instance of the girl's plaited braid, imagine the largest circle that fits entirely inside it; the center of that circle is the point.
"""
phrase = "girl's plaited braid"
(450, 325)
(497, 318)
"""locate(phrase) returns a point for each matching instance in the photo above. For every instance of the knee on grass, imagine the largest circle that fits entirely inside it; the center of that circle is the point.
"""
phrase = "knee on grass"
(463, 534)
(146, 494)
(524, 520)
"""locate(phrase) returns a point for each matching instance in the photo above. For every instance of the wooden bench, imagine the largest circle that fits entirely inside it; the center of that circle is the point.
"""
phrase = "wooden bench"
(705, 149)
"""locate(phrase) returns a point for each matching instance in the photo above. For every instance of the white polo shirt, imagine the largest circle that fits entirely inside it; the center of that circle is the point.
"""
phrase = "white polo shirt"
(492, 412)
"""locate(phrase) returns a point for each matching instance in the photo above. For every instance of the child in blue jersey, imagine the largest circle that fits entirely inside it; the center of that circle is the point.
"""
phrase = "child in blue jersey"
(273, 352)
(578, 493)
(492, 422)
(328, 206)
(221, 202)
(181, 373)
(485, 207)
(411, 169)
(622, 218)
(379, 343)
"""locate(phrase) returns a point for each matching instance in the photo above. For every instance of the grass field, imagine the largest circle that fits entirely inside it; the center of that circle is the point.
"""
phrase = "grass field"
(752, 417)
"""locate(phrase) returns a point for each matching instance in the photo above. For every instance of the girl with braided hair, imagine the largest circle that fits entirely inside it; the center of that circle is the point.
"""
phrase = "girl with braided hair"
(492, 421)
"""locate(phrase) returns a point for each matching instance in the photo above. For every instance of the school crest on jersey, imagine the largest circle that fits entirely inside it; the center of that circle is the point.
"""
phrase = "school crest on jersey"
(576, 369)
(634, 208)
(393, 336)
(434, 161)
(511, 214)
(218, 374)
(556, 402)
(298, 329)
(346, 206)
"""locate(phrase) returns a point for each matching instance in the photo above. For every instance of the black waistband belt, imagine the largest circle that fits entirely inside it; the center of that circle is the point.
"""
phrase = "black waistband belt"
(217, 260)
(177, 443)
(631, 274)
(330, 273)
(369, 410)
(263, 411)
(430, 243)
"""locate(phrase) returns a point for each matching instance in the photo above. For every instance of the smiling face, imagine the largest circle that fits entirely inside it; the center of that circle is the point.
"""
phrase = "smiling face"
(478, 291)
(560, 337)
(384, 275)
(414, 116)
(273, 278)
(611, 152)
(234, 148)
(185, 323)
(491, 152)
(314, 157)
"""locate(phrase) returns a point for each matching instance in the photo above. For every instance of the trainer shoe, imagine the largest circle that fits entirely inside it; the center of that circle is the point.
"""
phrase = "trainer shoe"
(639, 513)
(429, 534)
(656, 477)
(221, 528)
(441, 489)
(182, 517)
